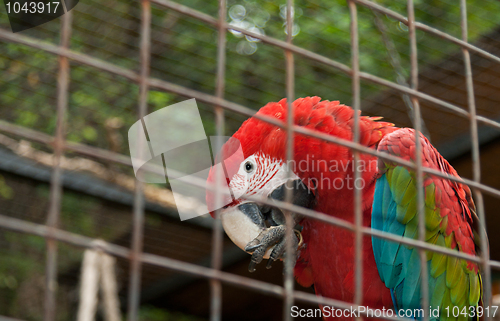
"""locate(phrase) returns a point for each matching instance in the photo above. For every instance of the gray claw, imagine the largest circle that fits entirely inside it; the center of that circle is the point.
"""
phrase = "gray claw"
(249, 248)
(275, 235)
(251, 267)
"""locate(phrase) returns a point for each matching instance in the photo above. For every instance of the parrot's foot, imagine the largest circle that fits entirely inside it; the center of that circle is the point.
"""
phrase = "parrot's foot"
(274, 235)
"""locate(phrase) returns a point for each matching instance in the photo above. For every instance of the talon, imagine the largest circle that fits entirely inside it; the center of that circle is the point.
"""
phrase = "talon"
(251, 266)
(299, 237)
(271, 238)
(250, 248)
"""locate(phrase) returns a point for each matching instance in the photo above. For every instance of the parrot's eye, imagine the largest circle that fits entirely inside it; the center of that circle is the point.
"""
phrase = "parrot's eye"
(248, 167)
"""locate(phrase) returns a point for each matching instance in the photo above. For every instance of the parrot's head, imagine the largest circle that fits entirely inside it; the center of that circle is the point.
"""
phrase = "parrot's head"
(254, 166)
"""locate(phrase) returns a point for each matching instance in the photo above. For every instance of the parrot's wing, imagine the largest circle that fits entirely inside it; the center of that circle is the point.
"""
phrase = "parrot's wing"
(449, 222)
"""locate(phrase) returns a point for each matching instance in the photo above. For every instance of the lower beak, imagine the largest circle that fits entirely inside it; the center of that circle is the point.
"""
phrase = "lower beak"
(244, 222)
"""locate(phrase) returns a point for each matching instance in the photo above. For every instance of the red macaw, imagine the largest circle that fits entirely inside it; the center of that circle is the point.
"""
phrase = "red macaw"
(323, 180)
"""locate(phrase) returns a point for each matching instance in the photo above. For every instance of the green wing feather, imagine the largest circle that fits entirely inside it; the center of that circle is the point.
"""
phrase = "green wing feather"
(449, 218)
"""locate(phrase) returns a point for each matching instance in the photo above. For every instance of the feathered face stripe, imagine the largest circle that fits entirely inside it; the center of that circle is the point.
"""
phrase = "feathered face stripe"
(259, 174)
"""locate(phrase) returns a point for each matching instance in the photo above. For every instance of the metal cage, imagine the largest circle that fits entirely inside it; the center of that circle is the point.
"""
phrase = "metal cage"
(58, 142)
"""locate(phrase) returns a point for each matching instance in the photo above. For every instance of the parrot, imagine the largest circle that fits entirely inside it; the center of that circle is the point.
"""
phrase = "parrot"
(322, 179)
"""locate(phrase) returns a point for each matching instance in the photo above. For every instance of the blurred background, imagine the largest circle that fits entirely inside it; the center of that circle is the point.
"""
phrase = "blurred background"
(98, 196)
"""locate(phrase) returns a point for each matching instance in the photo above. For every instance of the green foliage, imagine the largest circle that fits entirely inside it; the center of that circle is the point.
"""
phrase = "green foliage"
(159, 99)
(5, 190)
(22, 261)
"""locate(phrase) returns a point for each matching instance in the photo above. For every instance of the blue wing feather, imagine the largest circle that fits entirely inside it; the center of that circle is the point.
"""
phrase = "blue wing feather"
(398, 265)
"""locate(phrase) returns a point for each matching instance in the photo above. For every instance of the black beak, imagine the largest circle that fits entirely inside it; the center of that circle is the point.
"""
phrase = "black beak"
(265, 215)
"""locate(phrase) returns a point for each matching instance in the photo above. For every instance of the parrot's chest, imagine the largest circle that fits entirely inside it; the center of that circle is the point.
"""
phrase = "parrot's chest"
(332, 261)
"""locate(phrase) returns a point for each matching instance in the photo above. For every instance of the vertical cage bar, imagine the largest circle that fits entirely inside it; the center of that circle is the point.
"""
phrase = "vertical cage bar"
(217, 236)
(290, 252)
(424, 278)
(138, 210)
(55, 179)
(356, 99)
(476, 164)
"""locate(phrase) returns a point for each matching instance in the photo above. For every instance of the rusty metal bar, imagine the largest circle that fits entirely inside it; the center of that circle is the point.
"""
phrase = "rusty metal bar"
(419, 176)
(160, 84)
(356, 105)
(290, 252)
(55, 180)
(476, 163)
(138, 207)
(217, 236)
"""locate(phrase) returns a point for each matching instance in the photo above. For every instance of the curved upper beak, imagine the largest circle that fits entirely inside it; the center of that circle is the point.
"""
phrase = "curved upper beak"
(244, 222)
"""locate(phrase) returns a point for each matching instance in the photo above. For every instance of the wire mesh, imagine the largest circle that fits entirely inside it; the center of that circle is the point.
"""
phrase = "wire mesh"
(53, 234)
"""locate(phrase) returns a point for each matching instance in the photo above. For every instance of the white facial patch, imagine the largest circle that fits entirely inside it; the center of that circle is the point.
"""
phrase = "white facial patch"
(258, 175)
(266, 175)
